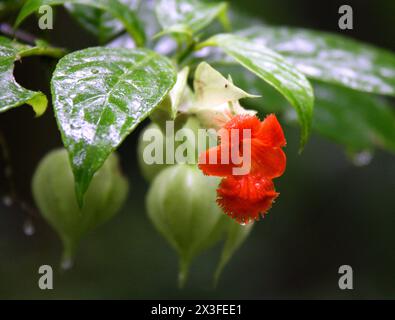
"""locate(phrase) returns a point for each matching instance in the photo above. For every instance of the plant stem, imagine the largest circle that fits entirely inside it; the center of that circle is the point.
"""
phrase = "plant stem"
(43, 51)
(185, 53)
(183, 271)
(8, 30)
(37, 49)
(206, 43)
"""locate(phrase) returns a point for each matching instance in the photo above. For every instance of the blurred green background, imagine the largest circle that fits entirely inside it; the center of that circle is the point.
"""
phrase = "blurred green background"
(330, 212)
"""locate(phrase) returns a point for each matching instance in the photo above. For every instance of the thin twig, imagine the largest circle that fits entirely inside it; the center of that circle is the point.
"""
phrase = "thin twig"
(24, 36)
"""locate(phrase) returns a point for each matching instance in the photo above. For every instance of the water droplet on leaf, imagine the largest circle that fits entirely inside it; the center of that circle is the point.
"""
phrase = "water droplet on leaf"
(362, 158)
(28, 227)
(7, 201)
(66, 264)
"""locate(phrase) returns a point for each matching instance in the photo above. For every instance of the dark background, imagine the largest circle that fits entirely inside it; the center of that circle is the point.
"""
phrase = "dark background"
(330, 212)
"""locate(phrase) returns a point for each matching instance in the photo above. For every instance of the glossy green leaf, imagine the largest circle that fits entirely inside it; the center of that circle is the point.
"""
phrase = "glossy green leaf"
(275, 70)
(146, 13)
(235, 236)
(356, 120)
(99, 22)
(11, 93)
(100, 95)
(189, 16)
(331, 58)
(9, 5)
(115, 8)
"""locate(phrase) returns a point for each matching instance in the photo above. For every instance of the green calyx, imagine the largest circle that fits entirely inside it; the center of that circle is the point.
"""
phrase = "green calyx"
(181, 204)
(53, 191)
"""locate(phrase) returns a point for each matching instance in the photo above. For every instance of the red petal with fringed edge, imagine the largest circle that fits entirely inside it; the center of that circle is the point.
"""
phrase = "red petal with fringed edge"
(246, 198)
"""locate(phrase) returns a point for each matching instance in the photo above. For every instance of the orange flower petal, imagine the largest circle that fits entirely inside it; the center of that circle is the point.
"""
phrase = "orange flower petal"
(212, 163)
(267, 161)
(271, 133)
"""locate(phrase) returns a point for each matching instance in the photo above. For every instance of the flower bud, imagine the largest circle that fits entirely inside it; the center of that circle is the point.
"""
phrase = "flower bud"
(181, 143)
(181, 204)
(154, 136)
(54, 194)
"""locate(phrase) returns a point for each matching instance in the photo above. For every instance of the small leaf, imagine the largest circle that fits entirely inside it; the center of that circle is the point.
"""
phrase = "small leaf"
(11, 93)
(212, 88)
(168, 109)
(331, 58)
(188, 16)
(115, 8)
(100, 95)
(178, 92)
(235, 236)
(275, 70)
(99, 22)
(216, 98)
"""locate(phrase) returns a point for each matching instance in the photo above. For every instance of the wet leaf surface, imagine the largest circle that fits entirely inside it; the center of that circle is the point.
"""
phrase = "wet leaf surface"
(356, 120)
(190, 16)
(100, 95)
(330, 57)
(11, 93)
(275, 70)
(99, 22)
(115, 8)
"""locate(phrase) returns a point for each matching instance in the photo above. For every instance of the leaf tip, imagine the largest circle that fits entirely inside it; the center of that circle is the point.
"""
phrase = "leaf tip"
(39, 103)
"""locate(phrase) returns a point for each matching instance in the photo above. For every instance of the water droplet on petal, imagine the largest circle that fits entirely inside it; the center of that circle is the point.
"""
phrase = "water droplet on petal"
(28, 227)
(362, 158)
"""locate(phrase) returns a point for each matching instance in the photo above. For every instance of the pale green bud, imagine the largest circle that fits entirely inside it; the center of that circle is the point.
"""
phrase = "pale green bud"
(54, 194)
(181, 203)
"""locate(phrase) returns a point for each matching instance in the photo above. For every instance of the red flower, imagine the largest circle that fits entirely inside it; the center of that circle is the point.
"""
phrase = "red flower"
(244, 197)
